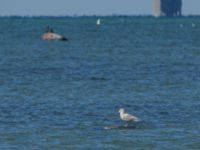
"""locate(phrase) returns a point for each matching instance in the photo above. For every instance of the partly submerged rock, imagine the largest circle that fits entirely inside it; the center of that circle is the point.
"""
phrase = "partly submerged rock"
(49, 35)
(118, 127)
(53, 37)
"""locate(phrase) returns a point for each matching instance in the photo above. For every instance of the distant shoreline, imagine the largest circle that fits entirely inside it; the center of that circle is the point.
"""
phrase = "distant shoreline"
(92, 16)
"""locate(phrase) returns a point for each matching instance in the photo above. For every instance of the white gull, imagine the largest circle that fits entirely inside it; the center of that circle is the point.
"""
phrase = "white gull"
(127, 117)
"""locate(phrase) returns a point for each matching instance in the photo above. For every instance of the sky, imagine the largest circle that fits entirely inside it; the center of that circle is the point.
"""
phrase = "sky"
(86, 7)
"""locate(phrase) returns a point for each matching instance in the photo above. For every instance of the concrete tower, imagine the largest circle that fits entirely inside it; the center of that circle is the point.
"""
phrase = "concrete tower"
(168, 8)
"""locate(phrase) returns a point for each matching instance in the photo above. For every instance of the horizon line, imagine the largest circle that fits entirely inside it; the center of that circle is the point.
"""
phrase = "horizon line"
(109, 15)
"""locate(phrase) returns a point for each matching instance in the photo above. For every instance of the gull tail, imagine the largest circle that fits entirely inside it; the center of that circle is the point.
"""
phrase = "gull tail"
(136, 119)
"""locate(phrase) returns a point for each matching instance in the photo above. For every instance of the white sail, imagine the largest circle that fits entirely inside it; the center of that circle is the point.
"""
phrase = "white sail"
(98, 22)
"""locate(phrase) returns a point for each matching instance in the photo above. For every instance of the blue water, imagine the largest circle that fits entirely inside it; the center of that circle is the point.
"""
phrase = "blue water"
(61, 95)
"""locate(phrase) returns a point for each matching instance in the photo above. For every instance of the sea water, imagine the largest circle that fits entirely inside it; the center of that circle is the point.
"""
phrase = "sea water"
(61, 95)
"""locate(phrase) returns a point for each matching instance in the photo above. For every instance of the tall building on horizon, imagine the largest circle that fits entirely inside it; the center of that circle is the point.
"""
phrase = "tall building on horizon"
(168, 8)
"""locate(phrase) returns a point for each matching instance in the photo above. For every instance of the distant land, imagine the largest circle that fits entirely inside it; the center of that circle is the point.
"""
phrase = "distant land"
(90, 8)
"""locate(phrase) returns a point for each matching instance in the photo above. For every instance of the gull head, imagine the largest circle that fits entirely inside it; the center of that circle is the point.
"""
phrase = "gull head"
(121, 110)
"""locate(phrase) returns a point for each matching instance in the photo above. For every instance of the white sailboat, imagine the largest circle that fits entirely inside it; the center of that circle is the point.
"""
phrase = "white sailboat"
(98, 22)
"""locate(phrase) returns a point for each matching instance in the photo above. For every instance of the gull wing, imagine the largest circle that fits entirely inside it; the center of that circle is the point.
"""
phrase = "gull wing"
(129, 117)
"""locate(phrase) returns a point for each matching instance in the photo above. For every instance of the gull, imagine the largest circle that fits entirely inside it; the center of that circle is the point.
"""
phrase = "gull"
(127, 117)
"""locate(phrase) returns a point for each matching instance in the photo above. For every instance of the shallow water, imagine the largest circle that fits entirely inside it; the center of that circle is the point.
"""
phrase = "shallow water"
(61, 95)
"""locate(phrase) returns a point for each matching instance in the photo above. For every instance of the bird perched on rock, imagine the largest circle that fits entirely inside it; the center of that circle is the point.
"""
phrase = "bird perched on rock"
(127, 117)
(49, 35)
